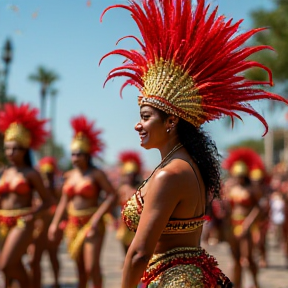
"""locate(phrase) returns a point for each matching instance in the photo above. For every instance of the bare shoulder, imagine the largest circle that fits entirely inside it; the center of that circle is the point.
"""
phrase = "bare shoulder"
(183, 169)
(68, 174)
(97, 172)
(32, 173)
(177, 175)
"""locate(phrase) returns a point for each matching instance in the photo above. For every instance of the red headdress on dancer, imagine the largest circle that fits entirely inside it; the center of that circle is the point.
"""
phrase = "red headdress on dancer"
(130, 161)
(47, 164)
(258, 170)
(86, 138)
(20, 124)
(192, 62)
(242, 161)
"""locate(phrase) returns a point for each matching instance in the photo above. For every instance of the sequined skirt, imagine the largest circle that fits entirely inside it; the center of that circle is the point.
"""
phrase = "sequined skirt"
(11, 218)
(78, 225)
(184, 267)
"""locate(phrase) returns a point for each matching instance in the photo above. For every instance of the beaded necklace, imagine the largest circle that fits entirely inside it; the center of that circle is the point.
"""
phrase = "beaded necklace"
(163, 161)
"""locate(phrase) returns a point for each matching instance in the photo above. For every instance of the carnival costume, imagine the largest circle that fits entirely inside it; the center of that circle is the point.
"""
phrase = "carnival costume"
(190, 65)
(86, 140)
(130, 162)
(47, 165)
(242, 162)
(19, 124)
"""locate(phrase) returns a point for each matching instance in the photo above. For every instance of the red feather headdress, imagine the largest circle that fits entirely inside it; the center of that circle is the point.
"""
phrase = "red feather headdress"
(242, 160)
(85, 137)
(20, 124)
(130, 161)
(47, 164)
(192, 62)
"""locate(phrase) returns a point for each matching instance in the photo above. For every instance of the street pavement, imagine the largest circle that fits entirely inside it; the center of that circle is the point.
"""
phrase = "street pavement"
(275, 276)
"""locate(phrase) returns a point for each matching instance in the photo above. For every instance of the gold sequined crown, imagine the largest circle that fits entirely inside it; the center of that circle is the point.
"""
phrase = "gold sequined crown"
(81, 143)
(168, 88)
(17, 132)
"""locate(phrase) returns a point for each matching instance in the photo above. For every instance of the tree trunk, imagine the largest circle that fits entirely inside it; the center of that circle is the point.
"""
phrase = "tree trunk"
(285, 136)
(269, 150)
(43, 102)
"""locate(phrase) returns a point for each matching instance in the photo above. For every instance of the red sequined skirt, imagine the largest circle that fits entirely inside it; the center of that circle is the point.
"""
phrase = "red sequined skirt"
(77, 226)
(185, 267)
(10, 219)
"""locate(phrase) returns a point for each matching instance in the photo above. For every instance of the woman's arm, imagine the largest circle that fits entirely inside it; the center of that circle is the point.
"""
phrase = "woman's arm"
(61, 208)
(110, 199)
(253, 214)
(163, 192)
(37, 183)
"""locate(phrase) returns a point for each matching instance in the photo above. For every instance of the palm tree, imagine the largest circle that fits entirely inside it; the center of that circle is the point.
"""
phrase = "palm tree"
(46, 78)
(53, 93)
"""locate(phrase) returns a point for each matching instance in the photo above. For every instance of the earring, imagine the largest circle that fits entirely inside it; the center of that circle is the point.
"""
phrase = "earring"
(168, 130)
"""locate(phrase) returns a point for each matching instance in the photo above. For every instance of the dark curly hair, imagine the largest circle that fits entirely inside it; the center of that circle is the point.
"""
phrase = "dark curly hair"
(202, 149)
(28, 158)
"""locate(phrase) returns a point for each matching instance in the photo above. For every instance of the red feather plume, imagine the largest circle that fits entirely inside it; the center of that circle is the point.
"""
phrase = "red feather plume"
(206, 46)
(81, 124)
(26, 116)
(131, 156)
(48, 160)
(247, 155)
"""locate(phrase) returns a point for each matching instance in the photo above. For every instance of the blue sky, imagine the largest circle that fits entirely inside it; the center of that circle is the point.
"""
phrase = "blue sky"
(67, 37)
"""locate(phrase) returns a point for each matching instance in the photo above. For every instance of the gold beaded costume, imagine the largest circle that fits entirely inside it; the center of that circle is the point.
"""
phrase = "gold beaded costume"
(9, 219)
(131, 166)
(19, 124)
(242, 162)
(77, 227)
(190, 64)
(86, 140)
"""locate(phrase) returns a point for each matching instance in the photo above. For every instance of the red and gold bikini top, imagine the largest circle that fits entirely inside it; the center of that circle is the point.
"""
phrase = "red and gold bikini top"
(20, 187)
(85, 188)
(132, 210)
(242, 197)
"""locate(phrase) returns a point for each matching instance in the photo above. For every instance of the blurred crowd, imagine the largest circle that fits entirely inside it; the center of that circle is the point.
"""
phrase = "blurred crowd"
(253, 209)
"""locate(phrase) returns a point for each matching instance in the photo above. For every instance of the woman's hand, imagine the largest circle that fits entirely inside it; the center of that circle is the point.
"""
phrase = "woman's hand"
(28, 218)
(92, 230)
(52, 232)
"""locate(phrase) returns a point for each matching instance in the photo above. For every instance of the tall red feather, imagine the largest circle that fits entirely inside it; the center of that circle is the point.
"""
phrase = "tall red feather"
(206, 46)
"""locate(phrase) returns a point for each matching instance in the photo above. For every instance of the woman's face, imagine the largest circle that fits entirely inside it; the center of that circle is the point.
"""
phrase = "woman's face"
(151, 128)
(14, 152)
(78, 158)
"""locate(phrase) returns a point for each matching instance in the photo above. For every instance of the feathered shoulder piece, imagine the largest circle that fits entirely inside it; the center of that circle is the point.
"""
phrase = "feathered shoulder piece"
(86, 138)
(130, 161)
(20, 124)
(191, 62)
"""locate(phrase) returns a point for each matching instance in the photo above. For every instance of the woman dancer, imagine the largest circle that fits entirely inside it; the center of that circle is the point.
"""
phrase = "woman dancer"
(22, 132)
(244, 210)
(80, 195)
(187, 74)
(260, 181)
(47, 167)
(131, 178)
